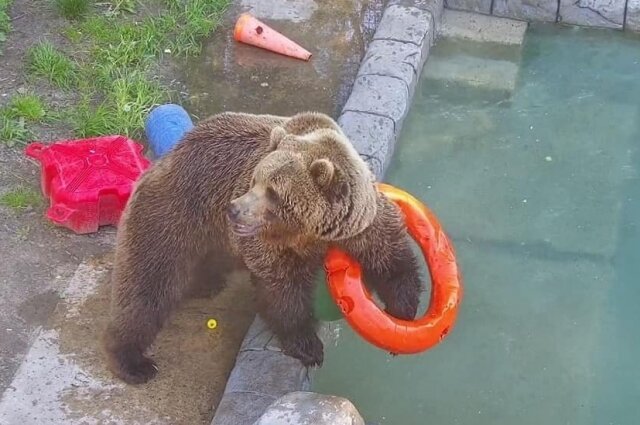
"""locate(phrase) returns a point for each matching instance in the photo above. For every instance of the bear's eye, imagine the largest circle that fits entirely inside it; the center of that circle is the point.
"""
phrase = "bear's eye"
(272, 195)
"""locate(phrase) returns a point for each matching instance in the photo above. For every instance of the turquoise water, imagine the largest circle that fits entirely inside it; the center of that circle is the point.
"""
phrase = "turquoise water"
(540, 191)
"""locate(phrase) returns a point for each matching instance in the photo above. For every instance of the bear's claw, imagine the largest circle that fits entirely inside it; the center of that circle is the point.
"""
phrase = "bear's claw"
(309, 350)
(132, 366)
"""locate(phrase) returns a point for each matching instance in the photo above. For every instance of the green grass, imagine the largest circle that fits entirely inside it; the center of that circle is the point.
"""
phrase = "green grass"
(23, 108)
(14, 117)
(92, 120)
(123, 110)
(27, 106)
(73, 9)
(122, 55)
(5, 21)
(13, 130)
(116, 50)
(45, 60)
(20, 198)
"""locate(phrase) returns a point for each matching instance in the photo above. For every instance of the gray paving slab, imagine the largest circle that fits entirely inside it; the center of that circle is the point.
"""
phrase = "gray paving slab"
(632, 22)
(527, 10)
(480, 6)
(592, 13)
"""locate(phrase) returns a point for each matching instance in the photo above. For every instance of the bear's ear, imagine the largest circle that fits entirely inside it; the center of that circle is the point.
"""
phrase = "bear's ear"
(277, 134)
(322, 171)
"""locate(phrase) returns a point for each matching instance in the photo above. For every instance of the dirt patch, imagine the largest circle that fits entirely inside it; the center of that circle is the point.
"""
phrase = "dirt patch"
(194, 361)
(31, 22)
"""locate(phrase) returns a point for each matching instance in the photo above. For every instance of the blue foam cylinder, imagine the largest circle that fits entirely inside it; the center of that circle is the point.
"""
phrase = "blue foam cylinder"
(165, 126)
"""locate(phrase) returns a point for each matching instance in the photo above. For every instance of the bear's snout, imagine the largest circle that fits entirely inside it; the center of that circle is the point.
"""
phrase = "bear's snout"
(234, 212)
(245, 214)
(239, 212)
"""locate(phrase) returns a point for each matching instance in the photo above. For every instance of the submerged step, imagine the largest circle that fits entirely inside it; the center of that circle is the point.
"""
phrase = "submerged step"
(473, 71)
(482, 28)
(477, 51)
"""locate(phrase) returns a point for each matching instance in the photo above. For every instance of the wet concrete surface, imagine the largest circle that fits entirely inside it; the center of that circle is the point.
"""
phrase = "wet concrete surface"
(62, 378)
(36, 261)
(234, 76)
(54, 297)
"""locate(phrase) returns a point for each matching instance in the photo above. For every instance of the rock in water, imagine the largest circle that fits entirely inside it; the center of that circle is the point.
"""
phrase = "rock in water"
(307, 408)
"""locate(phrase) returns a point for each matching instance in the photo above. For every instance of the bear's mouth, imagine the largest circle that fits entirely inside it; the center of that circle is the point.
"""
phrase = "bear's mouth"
(245, 230)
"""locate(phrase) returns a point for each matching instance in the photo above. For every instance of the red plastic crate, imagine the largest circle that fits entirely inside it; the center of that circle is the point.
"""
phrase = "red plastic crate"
(88, 181)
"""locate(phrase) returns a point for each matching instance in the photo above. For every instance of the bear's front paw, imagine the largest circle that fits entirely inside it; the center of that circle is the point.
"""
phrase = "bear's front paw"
(141, 372)
(308, 349)
(132, 367)
(406, 310)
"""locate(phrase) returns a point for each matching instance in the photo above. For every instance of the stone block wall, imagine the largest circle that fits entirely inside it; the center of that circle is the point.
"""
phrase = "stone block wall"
(616, 14)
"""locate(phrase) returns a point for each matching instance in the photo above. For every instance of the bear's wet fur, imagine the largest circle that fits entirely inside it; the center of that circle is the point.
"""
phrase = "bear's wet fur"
(273, 192)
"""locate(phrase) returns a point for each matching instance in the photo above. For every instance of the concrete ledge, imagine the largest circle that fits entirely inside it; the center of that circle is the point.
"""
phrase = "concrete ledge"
(372, 119)
(633, 16)
(405, 24)
(370, 135)
(527, 10)
(383, 90)
(241, 408)
(482, 28)
(308, 408)
(614, 14)
(593, 13)
(252, 366)
(381, 95)
(479, 6)
(261, 375)
(434, 7)
(394, 59)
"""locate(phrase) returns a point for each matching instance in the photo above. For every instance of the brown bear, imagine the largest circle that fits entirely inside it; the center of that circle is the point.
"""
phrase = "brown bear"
(273, 192)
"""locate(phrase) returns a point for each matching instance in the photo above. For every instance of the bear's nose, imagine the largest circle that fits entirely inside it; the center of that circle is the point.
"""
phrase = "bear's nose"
(233, 212)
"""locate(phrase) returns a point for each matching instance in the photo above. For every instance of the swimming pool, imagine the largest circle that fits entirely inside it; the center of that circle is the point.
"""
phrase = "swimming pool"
(540, 190)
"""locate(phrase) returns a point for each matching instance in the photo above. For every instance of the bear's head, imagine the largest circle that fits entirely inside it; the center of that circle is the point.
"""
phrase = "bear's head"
(313, 185)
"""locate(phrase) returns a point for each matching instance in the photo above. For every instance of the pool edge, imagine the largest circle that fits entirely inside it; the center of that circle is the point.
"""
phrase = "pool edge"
(372, 118)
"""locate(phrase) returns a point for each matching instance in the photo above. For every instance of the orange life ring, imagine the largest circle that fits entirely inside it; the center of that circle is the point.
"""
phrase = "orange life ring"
(344, 278)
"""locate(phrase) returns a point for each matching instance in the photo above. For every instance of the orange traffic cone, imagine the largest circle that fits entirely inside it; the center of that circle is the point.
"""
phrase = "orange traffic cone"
(249, 30)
